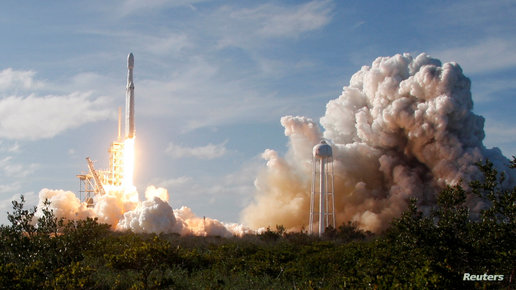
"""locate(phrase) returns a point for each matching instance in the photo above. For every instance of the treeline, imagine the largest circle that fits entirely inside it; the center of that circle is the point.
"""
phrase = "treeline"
(418, 251)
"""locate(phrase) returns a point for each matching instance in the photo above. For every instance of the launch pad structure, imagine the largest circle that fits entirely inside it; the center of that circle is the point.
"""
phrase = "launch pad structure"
(95, 181)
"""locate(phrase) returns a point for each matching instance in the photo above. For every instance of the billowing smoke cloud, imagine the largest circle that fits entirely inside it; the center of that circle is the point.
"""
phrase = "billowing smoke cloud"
(404, 127)
(123, 210)
(150, 216)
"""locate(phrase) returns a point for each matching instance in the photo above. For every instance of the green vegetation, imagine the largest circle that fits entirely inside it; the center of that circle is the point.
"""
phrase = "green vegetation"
(417, 252)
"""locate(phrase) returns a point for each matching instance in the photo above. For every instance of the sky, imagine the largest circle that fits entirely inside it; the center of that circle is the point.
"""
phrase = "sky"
(212, 80)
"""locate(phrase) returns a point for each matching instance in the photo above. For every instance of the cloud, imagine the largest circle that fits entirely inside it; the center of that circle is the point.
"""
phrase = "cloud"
(128, 7)
(487, 55)
(9, 148)
(11, 169)
(358, 25)
(18, 80)
(492, 90)
(502, 135)
(166, 44)
(174, 183)
(161, 43)
(9, 188)
(483, 16)
(277, 21)
(25, 115)
(248, 27)
(32, 117)
(209, 151)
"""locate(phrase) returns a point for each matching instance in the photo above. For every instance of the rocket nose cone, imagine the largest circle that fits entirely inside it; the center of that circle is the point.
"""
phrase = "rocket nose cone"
(130, 60)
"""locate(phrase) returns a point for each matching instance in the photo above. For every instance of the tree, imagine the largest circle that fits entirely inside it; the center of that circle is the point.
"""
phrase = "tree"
(48, 223)
(453, 239)
(495, 233)
(21, 219)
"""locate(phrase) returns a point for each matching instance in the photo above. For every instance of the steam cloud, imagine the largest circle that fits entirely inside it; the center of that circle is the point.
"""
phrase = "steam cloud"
(123, 210)
(404, 127)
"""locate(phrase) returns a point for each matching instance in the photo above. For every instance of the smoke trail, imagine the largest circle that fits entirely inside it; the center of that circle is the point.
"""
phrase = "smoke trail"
(404, 127)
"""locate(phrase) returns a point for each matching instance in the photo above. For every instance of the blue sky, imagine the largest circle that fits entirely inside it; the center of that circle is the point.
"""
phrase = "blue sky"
(213, 79)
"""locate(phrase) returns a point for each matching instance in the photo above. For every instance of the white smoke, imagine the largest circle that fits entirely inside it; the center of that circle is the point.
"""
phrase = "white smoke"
(404, 127)
(123, 211)
(150, 216)
(63, 203)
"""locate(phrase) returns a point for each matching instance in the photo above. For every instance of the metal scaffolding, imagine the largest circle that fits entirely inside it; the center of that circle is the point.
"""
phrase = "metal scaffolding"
(86, 189)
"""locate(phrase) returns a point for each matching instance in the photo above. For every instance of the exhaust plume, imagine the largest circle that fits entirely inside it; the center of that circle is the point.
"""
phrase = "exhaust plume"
(403, 128)
(123, 211)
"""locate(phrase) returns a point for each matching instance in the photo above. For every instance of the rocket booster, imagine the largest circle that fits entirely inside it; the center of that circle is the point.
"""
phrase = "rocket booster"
(129, 99)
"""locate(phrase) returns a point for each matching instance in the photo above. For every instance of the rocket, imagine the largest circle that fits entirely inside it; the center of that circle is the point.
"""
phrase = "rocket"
(129, 99)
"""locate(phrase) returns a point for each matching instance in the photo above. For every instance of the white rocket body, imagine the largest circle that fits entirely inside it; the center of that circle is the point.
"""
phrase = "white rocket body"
(129, 99)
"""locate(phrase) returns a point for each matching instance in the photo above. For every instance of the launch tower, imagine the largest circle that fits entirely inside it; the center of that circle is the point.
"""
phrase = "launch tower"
(94, 182)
